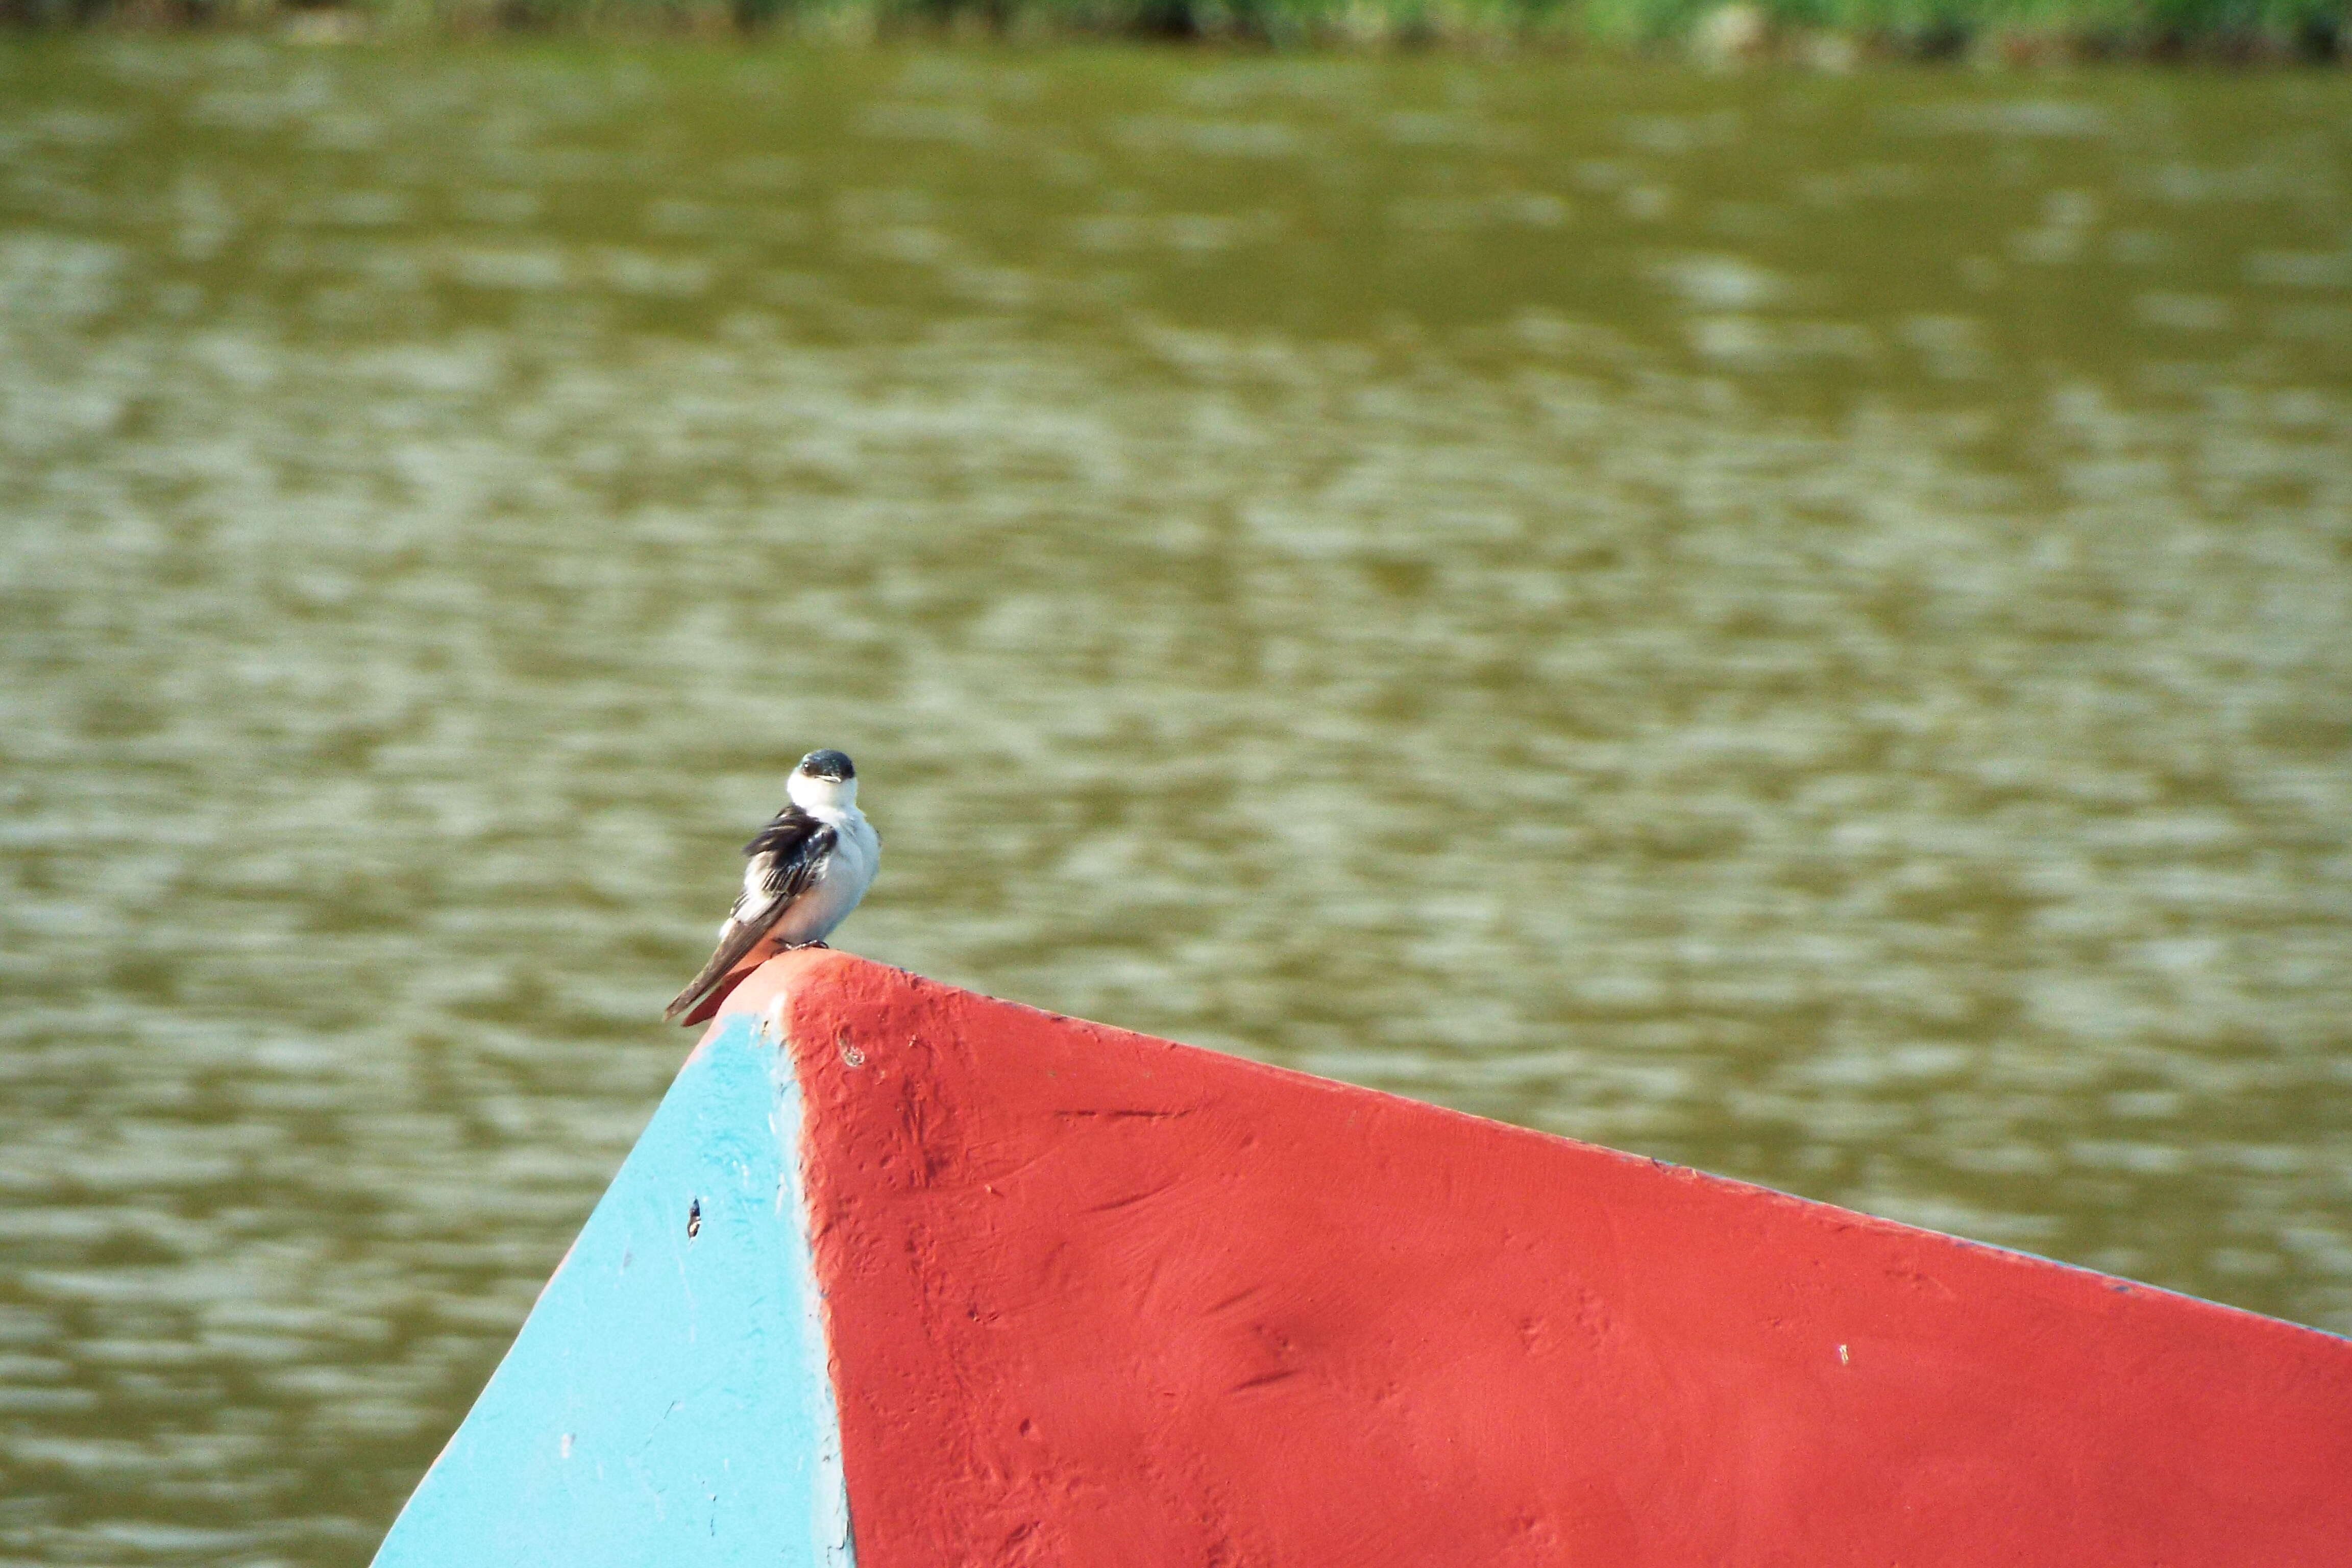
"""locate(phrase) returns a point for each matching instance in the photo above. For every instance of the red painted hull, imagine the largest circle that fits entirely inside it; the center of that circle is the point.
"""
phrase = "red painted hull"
(1094, 1299)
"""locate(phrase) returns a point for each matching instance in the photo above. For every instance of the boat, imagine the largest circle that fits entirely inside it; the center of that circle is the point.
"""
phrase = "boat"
(905, 1276)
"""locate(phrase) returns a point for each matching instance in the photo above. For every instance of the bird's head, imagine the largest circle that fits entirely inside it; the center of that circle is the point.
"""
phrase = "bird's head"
(823, 778)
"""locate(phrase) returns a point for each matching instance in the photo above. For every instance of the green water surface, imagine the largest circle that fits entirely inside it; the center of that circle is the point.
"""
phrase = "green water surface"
(1801, 625)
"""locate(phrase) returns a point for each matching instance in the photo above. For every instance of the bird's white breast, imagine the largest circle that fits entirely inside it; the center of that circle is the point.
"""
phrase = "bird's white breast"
(849, 871)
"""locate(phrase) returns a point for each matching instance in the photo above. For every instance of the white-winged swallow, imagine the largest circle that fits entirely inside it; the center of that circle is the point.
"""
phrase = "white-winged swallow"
(809, 868)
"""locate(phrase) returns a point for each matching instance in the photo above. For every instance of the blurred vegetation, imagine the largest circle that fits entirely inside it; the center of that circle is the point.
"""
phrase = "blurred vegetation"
(1819, 32)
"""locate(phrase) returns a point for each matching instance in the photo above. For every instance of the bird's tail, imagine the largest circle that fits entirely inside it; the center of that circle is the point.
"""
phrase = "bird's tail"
(685, 998)
(734, 943)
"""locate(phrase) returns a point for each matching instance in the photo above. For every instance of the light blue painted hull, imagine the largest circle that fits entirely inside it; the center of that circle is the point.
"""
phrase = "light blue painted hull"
(667, 1402)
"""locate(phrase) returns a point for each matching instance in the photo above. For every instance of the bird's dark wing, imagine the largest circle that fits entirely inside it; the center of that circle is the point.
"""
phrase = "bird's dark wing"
(785, 854)
(792, 843)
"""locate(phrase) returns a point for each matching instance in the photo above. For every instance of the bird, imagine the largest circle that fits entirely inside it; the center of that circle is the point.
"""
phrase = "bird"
(809, 868)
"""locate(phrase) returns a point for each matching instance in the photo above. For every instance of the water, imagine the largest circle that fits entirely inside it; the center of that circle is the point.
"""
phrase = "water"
(1791, 623)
